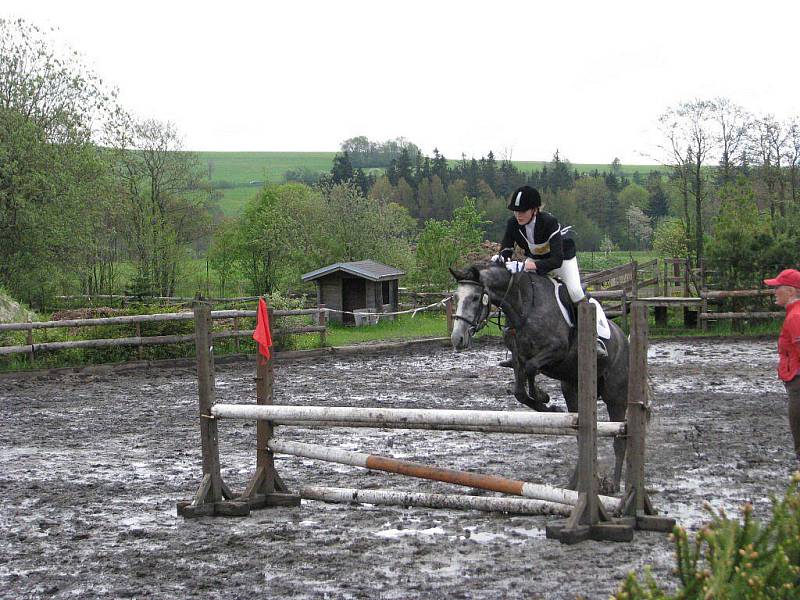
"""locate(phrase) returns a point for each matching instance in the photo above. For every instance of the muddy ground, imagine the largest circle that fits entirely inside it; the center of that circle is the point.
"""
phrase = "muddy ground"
(91, 466)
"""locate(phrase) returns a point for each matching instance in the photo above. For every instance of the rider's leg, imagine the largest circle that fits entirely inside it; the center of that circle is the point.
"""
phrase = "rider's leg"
(571, 276)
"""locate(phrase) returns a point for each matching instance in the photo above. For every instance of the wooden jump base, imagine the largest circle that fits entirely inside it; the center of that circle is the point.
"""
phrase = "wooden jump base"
(588, 511)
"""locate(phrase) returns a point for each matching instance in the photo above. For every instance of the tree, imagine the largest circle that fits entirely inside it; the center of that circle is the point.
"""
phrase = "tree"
(264, 239)
(669, 238)
(55, 185)
(222, 254)
(489, 171)
(634, 195)
(741, 235)
(443, 243)
(440, 167)
(793, 158)
(607, 246)
(769, 146)
(640, 230)
(361, 151)
(362, 181)
(688, 129)
(357, 228)
(560, 177)
(162, 216)
(733, 123)
(657, 201)
(342, 170)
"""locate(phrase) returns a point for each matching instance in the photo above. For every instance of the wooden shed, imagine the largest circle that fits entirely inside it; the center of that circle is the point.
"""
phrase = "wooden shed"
(353, 286)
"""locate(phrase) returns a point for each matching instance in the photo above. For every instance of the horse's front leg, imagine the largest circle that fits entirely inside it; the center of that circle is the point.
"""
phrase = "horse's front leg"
(536, 392)
(523, 380)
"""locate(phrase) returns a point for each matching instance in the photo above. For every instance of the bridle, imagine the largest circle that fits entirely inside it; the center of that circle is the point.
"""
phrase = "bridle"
(480, 320)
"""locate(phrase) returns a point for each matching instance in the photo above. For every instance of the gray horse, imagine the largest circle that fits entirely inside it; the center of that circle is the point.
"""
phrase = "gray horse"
(540, 340)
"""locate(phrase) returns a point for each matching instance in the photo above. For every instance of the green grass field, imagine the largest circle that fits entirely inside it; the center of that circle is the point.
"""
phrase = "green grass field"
(248, 171)
(244, 167)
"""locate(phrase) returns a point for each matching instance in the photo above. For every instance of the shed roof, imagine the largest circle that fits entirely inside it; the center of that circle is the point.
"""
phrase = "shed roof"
(368, 269)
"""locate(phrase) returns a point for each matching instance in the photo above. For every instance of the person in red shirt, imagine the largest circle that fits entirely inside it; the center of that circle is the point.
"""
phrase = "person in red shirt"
(787, 294)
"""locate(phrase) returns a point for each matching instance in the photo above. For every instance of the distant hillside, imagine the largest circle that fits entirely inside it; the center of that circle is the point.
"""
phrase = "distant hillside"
(243, 173)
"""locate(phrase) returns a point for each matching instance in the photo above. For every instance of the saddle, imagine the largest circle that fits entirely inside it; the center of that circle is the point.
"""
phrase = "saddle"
(570, 313)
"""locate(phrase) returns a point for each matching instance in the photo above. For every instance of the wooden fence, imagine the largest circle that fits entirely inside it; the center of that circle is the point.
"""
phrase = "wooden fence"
(31, 347)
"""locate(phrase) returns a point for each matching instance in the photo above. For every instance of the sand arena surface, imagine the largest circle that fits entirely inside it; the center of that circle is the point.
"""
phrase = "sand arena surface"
(91, 467)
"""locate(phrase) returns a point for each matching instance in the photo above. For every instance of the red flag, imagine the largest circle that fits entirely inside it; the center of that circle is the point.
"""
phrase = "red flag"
(262, 333)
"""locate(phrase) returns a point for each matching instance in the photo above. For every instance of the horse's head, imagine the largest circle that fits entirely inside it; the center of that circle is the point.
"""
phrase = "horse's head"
(474, 300)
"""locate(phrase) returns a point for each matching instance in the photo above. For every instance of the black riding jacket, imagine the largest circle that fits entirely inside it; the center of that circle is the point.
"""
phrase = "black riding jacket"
(546, 247)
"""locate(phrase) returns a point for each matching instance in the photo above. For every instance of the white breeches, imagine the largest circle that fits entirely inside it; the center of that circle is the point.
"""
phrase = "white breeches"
(569, 274)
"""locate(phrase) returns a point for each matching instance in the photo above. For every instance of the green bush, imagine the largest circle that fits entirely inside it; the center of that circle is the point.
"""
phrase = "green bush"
(731, 559)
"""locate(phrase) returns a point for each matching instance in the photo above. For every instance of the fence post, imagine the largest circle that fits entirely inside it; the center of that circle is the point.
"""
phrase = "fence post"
(213, 497)
(636, 506)
(588, 519)
(31, 356)
(322, 319)
(624, 308)
(139, 336)
(236, 331)
(265, 487)
(704, 296)
(635, 280)
(210, 491)
(448, 309)
(686, 272)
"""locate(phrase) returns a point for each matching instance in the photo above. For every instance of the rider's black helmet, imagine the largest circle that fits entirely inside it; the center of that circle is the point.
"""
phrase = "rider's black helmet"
(525, 198)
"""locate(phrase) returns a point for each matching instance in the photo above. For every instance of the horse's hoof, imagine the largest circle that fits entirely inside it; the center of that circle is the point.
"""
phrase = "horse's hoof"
(507, 363)
(555, 408)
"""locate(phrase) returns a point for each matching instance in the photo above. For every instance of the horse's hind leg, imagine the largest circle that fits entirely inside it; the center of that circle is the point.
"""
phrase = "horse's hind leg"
(616, 401)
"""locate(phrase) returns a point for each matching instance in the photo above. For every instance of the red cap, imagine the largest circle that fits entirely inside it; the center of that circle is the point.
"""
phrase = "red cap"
(789, 277)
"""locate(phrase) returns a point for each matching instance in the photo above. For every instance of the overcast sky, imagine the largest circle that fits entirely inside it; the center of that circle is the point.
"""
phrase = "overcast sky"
(521, 79)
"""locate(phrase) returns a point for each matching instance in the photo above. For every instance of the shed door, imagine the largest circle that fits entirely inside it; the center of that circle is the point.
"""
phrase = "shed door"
(354, 295)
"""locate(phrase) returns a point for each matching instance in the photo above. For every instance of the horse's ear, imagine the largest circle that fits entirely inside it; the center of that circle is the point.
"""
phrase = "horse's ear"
(459, 274)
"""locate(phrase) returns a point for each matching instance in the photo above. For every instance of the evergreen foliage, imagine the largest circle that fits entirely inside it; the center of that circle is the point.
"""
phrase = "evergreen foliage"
(734, 560)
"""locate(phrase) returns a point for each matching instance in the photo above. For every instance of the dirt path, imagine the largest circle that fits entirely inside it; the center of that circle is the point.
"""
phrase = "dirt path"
(91, 467)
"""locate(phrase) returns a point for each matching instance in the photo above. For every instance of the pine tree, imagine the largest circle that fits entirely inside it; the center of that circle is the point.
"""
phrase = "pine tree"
(342, 170)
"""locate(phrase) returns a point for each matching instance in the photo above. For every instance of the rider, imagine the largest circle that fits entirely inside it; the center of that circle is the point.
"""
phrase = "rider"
(539, 234)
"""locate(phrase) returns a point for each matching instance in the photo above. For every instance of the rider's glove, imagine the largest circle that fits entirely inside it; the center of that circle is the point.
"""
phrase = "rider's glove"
(515, 266)
(498, 258)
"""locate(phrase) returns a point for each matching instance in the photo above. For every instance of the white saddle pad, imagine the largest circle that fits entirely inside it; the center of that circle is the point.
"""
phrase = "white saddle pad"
(603, 328)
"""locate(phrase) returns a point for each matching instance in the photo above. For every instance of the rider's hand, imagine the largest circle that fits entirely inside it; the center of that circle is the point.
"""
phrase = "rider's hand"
(498, 258)
(530, 265)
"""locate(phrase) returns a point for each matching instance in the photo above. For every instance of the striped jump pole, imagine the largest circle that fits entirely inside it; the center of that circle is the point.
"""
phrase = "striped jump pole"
(492, 483)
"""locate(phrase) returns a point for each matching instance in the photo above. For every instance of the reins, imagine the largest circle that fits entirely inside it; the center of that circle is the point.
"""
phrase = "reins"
(484, 316)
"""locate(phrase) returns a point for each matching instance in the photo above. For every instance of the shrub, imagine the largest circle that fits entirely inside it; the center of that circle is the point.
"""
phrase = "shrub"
(729, 559)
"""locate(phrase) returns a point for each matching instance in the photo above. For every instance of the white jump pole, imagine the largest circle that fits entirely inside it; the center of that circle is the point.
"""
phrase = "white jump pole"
(520, 506)
(401, 416)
